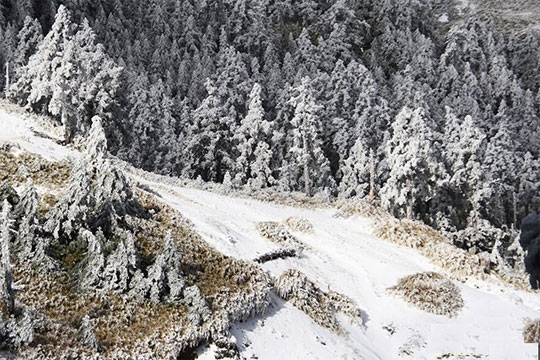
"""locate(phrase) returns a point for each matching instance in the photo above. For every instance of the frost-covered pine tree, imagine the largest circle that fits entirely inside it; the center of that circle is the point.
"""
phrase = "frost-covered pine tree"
(29, 38)
(6, 274)
(87, 335)
(91, 275)
(307, 156)
(416, 171)
(121, 265)
(164, 281)
(35, 79)
(26, 211)
(254, 148)
(69, 77)
(98, 194)
(356, 172)
(208, 150)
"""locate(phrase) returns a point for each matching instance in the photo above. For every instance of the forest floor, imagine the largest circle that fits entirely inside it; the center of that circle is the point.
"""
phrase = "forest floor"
(343, 255)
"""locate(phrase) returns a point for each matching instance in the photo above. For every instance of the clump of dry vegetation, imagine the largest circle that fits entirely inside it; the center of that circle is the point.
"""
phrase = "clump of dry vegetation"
(364, 207)
(299, 224)
(295, 287)
(433, 245)
(531, 331)
(430, 292)
(409, 233)
(278, 234)
(19, 168)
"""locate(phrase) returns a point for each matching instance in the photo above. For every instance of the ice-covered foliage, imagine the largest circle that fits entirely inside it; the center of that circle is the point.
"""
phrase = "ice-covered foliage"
(430, 292)
(7, 291)
(92, 266)
(96, 145)
(98, 194)
(409, 233)
(277, 233)
(69, 58)
(254, 148)
(19, 331)
(361, 207)
(87, 335)
(531, 331)
(164, 282)
(356, 172)
(308, 164)
(299, 224)
(481, 237)
(198, 309)
(121, 265)
(295, 287)
(412, 156)
(7, 192)
(435, 246)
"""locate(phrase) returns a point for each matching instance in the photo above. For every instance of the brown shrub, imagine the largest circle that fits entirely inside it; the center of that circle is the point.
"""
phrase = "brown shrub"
(299, 224)
(430, 292)
(531, 331)
(295, 287)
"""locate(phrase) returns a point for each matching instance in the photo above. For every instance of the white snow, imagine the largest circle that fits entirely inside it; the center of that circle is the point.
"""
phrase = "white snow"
(344, 256)
(444, 18)
(22, 131)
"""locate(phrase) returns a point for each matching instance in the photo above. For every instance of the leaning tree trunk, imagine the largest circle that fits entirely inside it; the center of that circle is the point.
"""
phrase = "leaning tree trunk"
(307, 179)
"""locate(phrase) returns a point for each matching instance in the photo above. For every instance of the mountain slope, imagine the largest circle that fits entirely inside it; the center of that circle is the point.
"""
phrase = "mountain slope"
(341, 255)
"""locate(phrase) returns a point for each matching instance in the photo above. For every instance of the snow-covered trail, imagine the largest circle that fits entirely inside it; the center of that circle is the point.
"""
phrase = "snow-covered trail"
(345, 257)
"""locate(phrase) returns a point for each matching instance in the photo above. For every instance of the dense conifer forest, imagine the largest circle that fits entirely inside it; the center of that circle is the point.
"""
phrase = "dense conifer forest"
(432, 111)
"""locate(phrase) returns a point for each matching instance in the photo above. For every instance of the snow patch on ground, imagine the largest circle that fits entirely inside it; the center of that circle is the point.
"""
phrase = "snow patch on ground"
(24, 132)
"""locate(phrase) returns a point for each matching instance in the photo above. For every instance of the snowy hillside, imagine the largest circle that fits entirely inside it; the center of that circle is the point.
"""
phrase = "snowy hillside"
(342, 255)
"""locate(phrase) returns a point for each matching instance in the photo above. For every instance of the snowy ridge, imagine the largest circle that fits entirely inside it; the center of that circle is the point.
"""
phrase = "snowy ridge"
(341, 255)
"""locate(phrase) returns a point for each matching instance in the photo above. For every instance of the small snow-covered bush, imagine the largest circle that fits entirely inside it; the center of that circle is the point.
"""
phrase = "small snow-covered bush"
(430, 292)
(299, 224)
(410, 233)
(295, 287)
(531, 331)
(458, 261)
(277, 233)
(361, 207)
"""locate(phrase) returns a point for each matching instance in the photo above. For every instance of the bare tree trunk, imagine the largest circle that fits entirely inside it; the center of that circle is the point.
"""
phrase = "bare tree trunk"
(409, 209)
(514, 225)
(7, 81)
(307, 179)
(372, 191)
(7, 274)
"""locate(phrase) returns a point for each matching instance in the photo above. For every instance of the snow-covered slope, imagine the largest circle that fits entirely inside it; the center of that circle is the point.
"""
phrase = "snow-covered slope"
(31, 136)
(344, 256)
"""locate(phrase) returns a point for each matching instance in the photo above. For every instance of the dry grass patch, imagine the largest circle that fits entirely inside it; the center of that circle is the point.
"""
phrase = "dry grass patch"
(18, 168)
(123, 325)
(299, 224)
(295, 287)
(361, 207)
(430, 292)
(531, 331)
(433, 245)
(278, 234)
(409, 233)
